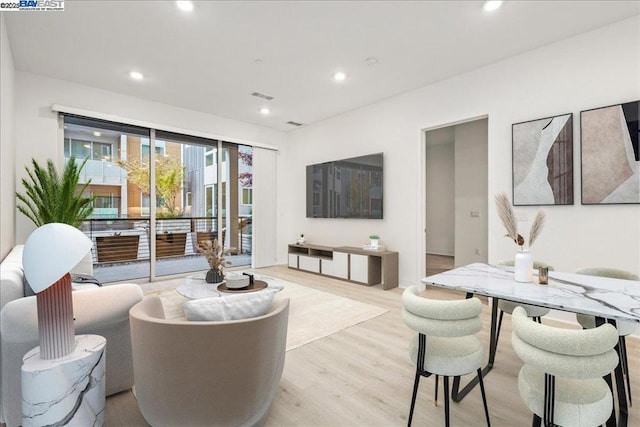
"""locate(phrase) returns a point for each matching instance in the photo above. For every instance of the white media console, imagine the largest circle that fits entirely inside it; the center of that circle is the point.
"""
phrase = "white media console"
(367, 267)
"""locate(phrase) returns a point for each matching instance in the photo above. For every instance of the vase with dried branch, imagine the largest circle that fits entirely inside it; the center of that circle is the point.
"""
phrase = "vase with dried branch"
(523, 266)
(215, 254)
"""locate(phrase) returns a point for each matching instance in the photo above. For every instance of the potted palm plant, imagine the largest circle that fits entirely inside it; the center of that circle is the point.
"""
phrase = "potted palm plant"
(51, 197)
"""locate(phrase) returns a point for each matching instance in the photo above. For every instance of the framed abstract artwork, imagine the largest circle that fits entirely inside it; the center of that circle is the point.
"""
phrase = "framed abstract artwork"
(610, 155)
(543, 161)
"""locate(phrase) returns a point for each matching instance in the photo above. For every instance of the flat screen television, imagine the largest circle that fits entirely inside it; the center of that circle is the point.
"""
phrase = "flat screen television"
(348, 188)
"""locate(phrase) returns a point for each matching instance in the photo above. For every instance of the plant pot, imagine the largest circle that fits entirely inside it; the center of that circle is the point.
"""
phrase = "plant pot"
(170, 244)
(117, 248)
(374, 242)
(214, 276)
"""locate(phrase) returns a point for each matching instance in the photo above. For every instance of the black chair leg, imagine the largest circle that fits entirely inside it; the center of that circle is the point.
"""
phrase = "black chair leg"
(484, 397)
(537, 421)
(625, 367)
(499, 326)
(446, 401)
(416, 382)
(435, 399)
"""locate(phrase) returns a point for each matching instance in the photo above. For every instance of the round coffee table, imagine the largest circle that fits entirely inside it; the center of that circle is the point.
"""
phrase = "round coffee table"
(195, 287)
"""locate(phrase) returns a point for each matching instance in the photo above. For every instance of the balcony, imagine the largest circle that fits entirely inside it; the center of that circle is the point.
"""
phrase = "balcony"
(101, 172)
(121, 247)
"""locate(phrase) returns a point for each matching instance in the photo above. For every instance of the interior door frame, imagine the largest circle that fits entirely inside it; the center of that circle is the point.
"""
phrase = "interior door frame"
(421, 227)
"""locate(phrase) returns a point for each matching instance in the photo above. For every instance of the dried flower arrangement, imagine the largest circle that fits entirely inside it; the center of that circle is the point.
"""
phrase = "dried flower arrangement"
(508, 218)
(214, 253)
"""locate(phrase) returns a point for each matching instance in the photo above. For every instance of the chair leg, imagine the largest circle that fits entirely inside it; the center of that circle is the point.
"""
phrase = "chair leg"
(416, 382)
(446, 401)
(435, 399)
(538, 319)
(499, 326)
(625, 367)
(484, 397)
(537, 421)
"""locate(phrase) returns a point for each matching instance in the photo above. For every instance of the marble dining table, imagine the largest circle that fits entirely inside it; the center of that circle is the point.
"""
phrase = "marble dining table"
(609, 300)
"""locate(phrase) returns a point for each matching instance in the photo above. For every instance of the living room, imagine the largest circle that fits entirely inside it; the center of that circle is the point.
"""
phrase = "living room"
(592, 64)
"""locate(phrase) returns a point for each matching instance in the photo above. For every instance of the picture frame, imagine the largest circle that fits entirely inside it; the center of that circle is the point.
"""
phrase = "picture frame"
(610, 154)
(542, 161)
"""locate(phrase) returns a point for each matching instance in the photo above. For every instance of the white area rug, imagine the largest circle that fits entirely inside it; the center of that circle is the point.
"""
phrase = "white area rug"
(313, 314)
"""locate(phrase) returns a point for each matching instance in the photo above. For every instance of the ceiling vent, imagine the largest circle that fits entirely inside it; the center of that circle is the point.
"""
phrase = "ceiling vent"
(262, 95)
(294, 123)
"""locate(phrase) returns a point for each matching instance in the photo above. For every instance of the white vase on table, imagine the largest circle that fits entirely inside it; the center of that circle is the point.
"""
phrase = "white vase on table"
(523, 267)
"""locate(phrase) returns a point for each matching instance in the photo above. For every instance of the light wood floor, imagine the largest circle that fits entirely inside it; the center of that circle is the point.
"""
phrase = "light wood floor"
(438, 263)
(362, 376)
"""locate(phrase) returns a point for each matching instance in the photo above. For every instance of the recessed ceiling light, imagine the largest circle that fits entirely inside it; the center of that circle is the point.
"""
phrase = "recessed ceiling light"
(492, 5)
(185, 6)
(136, 75)
(265, 111)
(371, 61)
(96, 133)
(339, 76)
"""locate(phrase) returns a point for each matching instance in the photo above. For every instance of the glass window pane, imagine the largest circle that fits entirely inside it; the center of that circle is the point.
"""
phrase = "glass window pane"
(117, 226)
(80, 149)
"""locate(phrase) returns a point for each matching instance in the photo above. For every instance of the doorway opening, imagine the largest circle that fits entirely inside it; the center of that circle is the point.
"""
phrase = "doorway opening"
(456, 195)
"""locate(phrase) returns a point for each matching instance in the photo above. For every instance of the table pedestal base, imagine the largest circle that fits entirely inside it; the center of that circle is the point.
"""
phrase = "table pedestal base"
(66, 391)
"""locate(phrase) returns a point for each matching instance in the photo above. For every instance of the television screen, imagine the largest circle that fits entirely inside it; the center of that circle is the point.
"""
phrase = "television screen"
(349, 188)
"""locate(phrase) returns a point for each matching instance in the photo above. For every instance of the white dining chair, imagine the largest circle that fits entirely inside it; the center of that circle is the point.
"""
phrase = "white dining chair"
(625, 328)
(445, 343)
(533, 311)
(561, 380)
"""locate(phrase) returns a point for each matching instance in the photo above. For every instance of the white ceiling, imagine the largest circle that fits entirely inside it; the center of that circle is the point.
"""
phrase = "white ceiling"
(206, 60)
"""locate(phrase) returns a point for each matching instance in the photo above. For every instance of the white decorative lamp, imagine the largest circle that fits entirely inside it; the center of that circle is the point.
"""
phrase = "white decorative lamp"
(65, 374)
(50, 252)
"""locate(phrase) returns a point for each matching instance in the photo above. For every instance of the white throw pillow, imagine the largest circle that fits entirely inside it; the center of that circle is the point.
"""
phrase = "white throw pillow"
(229, 307)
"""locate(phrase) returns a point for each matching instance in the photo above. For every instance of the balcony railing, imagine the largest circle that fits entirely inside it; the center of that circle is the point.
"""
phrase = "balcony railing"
(101, 172)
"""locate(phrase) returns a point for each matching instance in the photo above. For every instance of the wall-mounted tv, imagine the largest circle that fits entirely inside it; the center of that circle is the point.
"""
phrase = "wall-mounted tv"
(348, 188)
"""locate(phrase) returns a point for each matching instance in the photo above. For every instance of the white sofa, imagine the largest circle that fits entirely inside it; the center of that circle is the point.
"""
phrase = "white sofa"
(97, 310)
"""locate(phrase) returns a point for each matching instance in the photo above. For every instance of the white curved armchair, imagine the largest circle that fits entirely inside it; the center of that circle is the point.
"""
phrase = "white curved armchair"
(446, 343)
(205, 373)
(624, 327)
(508, 306)
(561, 380)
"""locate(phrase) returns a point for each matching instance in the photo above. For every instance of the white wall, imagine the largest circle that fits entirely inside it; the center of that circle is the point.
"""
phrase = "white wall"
(591, 70)
(37, 131)
(7, 144)
(471, 235)
(440, 191)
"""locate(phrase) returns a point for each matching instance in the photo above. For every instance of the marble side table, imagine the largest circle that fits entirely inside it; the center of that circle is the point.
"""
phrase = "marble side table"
(66, 391)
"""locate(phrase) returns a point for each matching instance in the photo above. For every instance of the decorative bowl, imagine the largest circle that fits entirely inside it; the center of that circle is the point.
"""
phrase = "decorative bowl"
(236, 281)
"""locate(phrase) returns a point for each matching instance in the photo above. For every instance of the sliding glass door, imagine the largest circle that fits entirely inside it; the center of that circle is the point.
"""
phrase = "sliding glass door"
(202, 191)
(119, 225)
